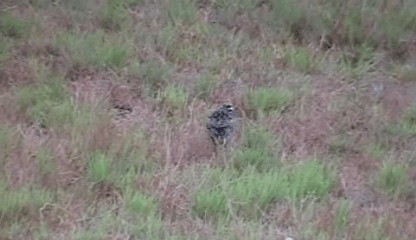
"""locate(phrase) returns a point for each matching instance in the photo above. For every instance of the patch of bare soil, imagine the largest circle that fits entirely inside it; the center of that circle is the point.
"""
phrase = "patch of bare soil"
(229, 91)
(16, 72)
(131, 111)
(123, 101)
(311, 131)
(355, 175)
(174, 200)
(55, 21)
(71, 169)
(187, 143)
(46, 53)
(10, 112)
(22, 170)
(199, 146)
(335, 109)
(90, 87)
(397, 220)
(396, 97)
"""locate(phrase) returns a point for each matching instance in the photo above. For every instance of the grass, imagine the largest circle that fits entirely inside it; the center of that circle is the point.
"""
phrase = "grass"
(9, 140)
(209, 204)
(25, 199)
(342, 218)
(99, 168)
(45, 161)
(114, 15)
(154, 74)
(181, 12)
(141, 204)
(96, 49)
(371, 230)
(299, 73)
(289, 15)
(5, 50)
(13, 26)
(392, 180)
(250, 193)
(47, 104)
(174, 97)
(259, 150)
(376, 151)
(359, 62)
(405, 73)
(396, 23)
(204, 86)
(310, 179)
(300, 59)
(266, 100)
(406, 126)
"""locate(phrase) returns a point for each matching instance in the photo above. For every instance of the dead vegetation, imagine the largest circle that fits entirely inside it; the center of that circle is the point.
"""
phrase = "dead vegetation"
(104, 106)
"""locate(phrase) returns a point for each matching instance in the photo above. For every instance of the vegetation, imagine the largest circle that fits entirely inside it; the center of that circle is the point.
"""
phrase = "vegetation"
(266, 100)
(103, 106)
(392, 179)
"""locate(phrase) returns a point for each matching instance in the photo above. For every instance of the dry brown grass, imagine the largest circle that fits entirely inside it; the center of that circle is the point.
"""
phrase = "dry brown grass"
(163, 151)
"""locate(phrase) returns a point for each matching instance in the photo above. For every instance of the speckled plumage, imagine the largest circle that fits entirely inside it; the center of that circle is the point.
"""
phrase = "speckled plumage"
(221, 124)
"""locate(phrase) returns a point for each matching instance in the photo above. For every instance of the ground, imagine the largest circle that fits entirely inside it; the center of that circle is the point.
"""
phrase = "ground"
(104, 106)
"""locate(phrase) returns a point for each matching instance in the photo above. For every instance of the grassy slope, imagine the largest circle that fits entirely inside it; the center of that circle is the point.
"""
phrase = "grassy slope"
(103, 105)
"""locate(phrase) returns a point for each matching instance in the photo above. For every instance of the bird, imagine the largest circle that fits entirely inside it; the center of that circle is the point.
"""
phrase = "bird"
(221, 124)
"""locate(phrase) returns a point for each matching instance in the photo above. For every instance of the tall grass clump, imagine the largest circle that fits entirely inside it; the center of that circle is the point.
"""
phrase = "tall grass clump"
(96, 49)
(347, 23)
(211, 204)
(26, 199)
(45, 161)
(406, 126)
(210, 201)
(229, 10)
(376, 151)
(409, 120)
(5, 50)
(46, 103)
(99, 168)
(139, 203)
(10, 140)
(154, 75)
(396, 25)
(376, 23)
(259, 150)
(300, 59)
(181, 12)
(267, 100)
(290, 18)
(393, 180)
(361, 61)
(310, 179)
(371, 229)
(182, 45)
(114, 15)
(13, 27)
(174, 97)
(249, 193)
(204, 86)
(342, 217)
